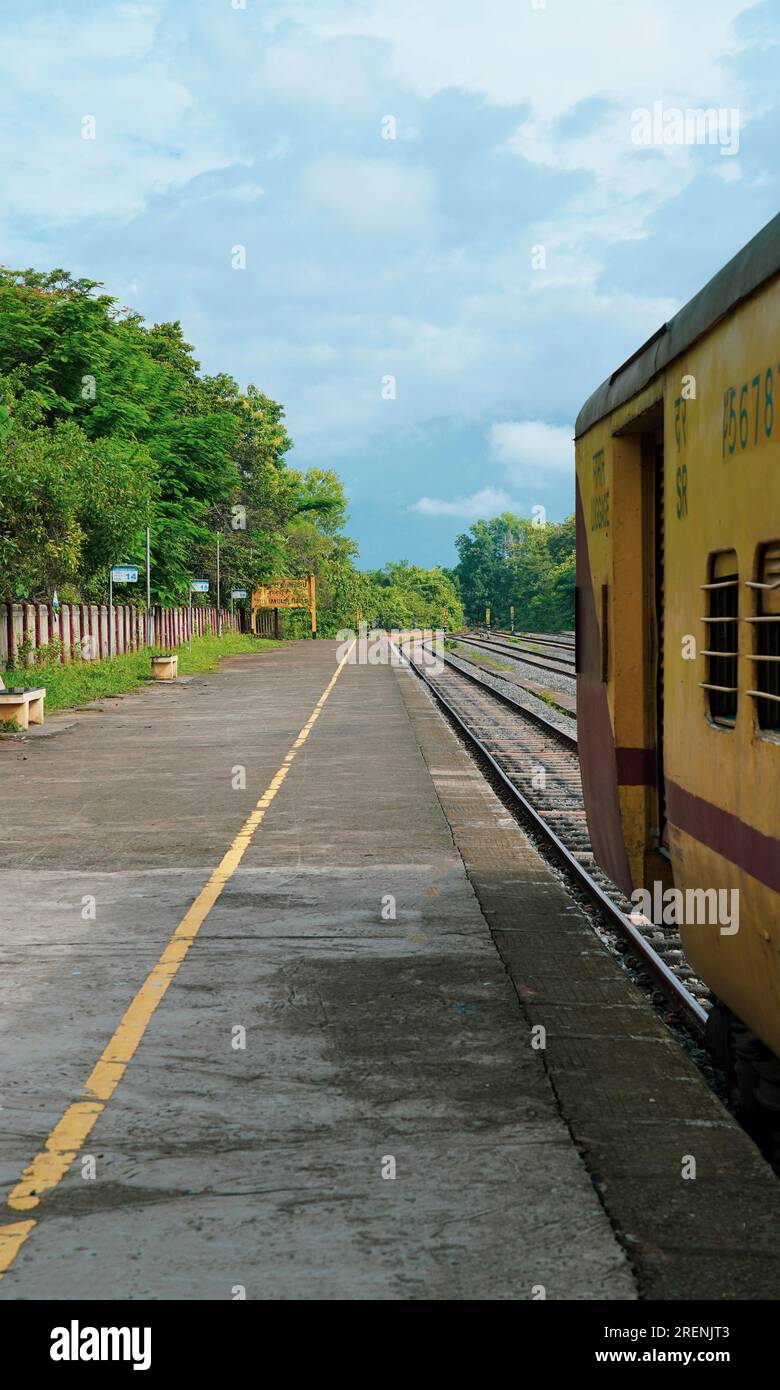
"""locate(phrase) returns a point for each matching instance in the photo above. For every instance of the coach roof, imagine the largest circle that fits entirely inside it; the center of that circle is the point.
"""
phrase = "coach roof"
(741, 277)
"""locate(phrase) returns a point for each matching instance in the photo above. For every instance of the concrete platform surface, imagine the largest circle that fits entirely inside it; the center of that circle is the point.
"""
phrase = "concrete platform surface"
(342, 1015)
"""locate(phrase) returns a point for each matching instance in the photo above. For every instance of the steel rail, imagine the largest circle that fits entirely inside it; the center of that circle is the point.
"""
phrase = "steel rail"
(531, 637)
(518, 654)
(563, 735)
(517, 637)
(644, 950)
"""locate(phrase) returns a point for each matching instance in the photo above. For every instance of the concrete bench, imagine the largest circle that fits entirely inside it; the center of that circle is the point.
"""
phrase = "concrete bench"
(24, 706)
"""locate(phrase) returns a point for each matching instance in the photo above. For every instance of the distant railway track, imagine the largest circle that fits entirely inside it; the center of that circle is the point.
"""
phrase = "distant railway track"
(559, 651)
(557, 666)
(537, 765)
(542, 639)
(559, 641)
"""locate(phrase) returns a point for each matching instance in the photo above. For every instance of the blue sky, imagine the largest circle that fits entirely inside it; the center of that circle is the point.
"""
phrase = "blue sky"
(262, 125)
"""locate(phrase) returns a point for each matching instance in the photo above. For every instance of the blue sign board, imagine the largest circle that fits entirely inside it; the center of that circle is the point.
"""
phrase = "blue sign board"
(238, 593)
(200, 586)
(125, 574)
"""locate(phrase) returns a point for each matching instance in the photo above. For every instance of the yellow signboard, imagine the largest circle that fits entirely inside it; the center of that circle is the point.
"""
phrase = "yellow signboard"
(287, 593)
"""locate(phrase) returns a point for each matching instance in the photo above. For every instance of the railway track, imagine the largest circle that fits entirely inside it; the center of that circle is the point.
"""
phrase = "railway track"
(537, 764)
(563, 646)
(542, 639)
(557, 666)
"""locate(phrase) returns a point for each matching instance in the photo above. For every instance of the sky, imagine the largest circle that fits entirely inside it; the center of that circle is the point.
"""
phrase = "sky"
(430, 228)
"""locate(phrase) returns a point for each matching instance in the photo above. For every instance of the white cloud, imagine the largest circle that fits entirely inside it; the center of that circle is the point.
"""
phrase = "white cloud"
(224, 193)
(489, 501)
(312, 72)
(532, 451)
(151, 132)
(369, 257)
(371, 194)
(246, 192)
(513, 54)
(509, 50)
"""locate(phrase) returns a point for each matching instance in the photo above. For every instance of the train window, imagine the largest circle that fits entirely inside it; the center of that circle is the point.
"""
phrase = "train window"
(722, 626)
(765, 658)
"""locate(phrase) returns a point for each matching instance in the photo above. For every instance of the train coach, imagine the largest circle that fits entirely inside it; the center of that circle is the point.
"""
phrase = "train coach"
(678, 639)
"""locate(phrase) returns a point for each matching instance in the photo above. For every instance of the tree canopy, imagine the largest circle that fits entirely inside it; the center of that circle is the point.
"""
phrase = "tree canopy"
(401, 595)
(511, 560)
(108, 425)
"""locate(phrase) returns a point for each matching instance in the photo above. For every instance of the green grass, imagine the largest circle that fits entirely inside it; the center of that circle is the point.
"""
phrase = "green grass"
(77, 682)
(480, 660)
(549, 699)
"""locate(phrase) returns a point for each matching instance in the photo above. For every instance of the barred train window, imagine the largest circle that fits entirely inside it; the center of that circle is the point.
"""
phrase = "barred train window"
(765, 658)
(722, 628)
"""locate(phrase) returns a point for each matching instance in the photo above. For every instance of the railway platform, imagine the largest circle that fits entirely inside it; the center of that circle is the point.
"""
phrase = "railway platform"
(292, 1009)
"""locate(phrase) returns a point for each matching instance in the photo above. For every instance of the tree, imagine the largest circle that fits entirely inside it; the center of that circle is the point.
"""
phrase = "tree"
(107, 425)
(59, 522)
(402, 594)
(511, 561)
(67, 354)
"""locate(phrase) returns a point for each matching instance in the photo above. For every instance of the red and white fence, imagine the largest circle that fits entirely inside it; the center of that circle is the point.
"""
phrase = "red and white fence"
(80, 630)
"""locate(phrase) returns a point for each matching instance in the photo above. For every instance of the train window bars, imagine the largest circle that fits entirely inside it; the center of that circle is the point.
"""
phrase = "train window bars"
(766, 629)
(722, 650)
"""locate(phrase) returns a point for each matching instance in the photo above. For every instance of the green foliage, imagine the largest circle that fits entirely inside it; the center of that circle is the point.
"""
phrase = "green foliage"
(315, 545)
(511, 561)
(59, 518)
(107, 425)
(27, 654)
(403, 595)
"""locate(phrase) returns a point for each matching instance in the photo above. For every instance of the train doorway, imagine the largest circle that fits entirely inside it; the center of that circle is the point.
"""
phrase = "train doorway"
(639, 618)
(659, 578)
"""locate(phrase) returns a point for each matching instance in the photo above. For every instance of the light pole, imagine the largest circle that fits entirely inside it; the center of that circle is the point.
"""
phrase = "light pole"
(219, 606)
(148, 591)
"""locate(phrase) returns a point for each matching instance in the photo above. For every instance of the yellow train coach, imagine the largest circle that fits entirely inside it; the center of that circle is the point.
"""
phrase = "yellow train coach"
(678, 634)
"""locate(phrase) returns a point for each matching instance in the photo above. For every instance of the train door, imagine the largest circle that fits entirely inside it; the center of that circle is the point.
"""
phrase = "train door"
(659, 574)
(638, 617)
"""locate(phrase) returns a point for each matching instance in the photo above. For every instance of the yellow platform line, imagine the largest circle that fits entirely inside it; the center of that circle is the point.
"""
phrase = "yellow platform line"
(71, 1131)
